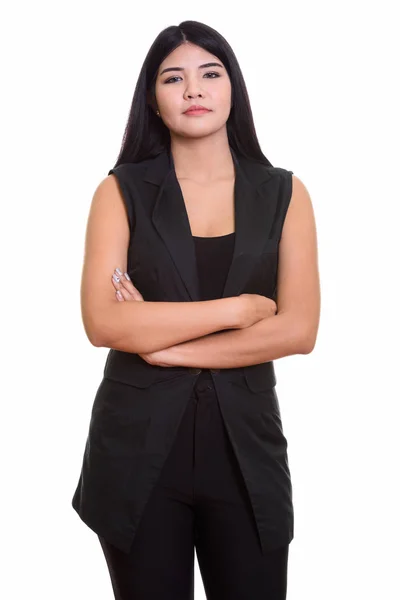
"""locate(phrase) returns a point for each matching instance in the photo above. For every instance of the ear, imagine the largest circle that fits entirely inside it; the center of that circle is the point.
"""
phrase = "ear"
(151, 101)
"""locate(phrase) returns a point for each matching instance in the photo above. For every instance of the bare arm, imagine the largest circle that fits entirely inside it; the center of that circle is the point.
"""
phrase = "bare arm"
(143, 327)
(137, 327)
(268, 339)
(293, 330)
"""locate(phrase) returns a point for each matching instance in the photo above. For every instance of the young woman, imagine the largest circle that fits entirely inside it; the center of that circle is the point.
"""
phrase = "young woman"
(200, 269)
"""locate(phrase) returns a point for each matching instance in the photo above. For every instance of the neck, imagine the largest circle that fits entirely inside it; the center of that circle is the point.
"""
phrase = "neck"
(202, 160)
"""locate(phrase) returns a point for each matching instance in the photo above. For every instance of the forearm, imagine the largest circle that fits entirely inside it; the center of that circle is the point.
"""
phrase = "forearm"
(143, 327)
(268, 339)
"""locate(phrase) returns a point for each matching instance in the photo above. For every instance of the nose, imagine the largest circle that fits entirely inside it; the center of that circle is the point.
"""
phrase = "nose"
(192, 92)
(194, 95)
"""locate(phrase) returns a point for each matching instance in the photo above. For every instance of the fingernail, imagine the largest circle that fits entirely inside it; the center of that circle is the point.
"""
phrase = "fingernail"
(118, 271)
(115, 278)
(118, 294)
(127, 276)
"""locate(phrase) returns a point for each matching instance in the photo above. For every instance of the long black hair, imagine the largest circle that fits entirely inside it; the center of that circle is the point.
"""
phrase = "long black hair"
(146, 135)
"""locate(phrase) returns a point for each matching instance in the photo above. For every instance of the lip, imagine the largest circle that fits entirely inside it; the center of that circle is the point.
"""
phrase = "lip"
(196, 109)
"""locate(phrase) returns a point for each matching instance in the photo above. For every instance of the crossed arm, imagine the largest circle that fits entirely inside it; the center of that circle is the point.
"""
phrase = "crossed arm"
(200, 334)
(268, 339)
(292, 330)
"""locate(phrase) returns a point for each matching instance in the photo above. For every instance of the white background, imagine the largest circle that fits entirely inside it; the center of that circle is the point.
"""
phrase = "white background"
(322, 79)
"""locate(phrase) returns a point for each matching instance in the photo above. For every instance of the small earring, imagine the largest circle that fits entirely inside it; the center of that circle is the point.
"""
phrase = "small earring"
(158, 113)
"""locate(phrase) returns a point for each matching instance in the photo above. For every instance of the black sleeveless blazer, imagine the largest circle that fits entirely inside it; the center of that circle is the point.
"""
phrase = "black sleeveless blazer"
(138, 406)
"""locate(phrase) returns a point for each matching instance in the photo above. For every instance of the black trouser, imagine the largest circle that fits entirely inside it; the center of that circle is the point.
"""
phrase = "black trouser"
(200, 501)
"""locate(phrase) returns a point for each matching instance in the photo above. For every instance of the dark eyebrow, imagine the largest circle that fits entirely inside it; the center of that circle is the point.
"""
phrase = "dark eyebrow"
(205, 66)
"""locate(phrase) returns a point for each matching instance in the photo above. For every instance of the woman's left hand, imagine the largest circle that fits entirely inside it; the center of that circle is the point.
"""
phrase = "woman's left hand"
(125, 291)
(124, 288)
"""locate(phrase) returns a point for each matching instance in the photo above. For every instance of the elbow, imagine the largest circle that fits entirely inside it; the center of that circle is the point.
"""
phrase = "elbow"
(102, 333)
(99, 328)
(103, 339)
(95, 339)
(94, 334)
(301, 337)
(306, 347)
(97, 343)
(307, 343)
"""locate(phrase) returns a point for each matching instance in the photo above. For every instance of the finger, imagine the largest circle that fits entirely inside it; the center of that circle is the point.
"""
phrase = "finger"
(126, 295)
(119, 296)
(128, 285)
(125, 286)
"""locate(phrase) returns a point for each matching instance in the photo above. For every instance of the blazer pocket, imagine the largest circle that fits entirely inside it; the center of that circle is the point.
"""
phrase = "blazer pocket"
(141, 379)
(126, 368)
(266, 426)
(260, 377)
(114, 436)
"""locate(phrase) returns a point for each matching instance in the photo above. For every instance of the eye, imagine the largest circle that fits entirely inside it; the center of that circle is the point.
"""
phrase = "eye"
(208, 73)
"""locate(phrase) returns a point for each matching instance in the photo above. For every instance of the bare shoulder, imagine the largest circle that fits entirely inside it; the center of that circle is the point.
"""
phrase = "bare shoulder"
(106, 247)
(300, 218)
(109, 194)
(298, 274)
(108, 208)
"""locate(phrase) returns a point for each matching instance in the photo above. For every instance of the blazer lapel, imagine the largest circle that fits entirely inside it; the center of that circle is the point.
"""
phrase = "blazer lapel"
(253, 220)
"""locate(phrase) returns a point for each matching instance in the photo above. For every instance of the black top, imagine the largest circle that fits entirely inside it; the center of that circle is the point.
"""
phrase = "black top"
(214, 256)
(139, 406)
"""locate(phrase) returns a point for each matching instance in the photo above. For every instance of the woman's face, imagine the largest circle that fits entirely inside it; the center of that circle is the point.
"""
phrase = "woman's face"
(177, 90)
